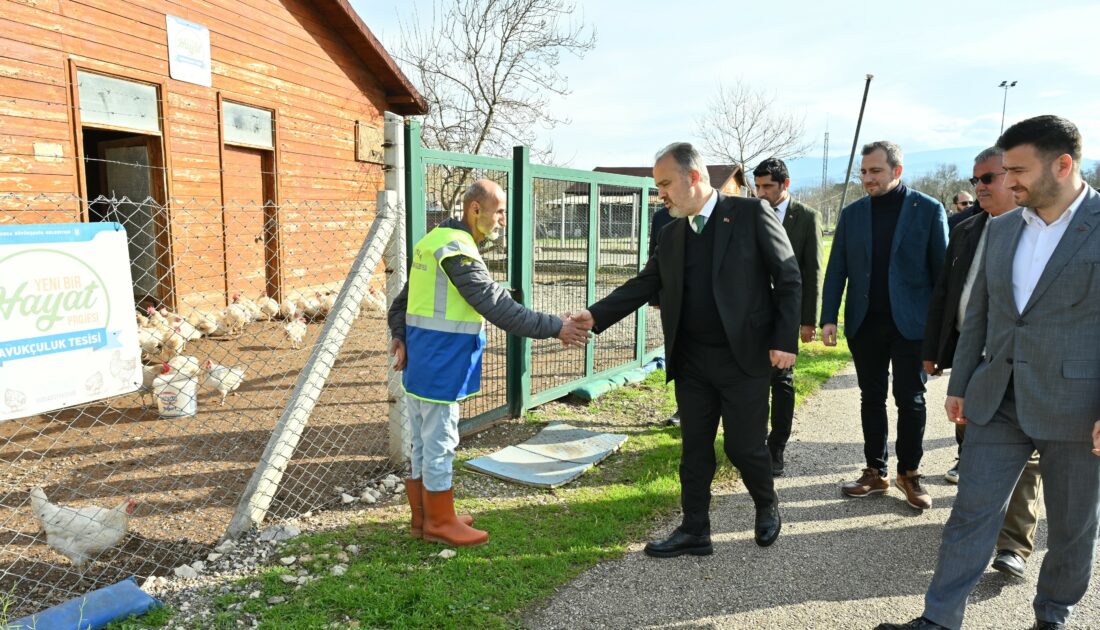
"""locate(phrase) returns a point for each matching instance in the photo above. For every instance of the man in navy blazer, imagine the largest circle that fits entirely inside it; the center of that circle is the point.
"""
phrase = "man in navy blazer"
(888, 249)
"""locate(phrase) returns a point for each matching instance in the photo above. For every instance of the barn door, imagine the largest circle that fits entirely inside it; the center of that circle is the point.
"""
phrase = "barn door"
(251, 223)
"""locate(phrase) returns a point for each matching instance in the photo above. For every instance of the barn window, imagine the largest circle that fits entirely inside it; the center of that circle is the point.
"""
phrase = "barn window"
(248, 126)
(111, 103)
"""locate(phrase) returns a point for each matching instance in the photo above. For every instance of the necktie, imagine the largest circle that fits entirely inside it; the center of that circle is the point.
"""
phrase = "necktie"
(698, 221)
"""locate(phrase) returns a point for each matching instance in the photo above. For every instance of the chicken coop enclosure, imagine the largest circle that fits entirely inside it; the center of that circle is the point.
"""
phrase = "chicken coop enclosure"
(252, 299)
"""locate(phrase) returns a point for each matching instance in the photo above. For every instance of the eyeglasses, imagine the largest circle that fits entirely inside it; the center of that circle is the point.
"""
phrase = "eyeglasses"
(986, 179)
(964, 204)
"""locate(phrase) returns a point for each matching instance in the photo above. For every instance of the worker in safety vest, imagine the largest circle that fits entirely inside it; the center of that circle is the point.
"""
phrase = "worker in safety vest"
(438, 328)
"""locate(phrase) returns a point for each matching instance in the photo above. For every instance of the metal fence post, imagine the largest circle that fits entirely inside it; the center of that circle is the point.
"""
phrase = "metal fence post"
(523, 253)
(594, 229)
(264, 484)
(415, 203)
(400, 439)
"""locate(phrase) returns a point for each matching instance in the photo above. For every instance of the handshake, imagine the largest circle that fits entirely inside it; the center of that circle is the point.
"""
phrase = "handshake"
(575, 328)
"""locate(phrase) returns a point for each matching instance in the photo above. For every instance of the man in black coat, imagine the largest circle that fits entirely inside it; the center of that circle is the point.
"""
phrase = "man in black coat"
(730, 293)
(946, 311)
(803, 226)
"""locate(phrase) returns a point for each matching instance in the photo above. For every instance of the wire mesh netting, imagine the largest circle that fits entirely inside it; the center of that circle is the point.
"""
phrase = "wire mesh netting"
(617, 259)
(654, 334)
(230, 300)
(560, 274)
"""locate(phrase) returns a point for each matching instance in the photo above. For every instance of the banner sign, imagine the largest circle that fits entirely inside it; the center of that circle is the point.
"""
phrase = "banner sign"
(67, 329)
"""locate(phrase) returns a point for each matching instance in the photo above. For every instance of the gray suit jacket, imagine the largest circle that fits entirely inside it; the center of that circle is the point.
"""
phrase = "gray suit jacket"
(1051, 349)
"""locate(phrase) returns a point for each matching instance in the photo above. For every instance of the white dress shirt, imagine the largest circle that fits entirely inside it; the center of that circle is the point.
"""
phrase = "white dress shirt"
(708, 208)
(781, 209)
(971, 275)
(1037, 244)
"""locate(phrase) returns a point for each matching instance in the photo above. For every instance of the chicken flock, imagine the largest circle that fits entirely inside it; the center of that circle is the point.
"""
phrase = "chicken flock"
(163, 335)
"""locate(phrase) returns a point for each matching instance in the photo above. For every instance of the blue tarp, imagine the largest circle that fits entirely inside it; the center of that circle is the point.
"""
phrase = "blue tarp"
(92, 611)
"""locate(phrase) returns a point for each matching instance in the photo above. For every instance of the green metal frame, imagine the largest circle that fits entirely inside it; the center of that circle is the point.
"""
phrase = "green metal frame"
(521, 218)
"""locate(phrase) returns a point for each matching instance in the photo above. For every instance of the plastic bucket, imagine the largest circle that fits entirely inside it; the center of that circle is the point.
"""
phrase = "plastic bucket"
(176, 394)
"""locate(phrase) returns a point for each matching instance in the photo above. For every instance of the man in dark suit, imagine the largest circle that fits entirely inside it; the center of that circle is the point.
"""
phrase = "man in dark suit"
(888, 249)
(730, 294)
(1026, 377)
(803, 227)
(946, 314)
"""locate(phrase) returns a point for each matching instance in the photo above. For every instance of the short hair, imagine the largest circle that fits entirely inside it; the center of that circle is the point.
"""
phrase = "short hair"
(894, 156)
(774, 168)
(1050, 135)
(955, 199)
(479, 191)
(687, 158)
(991, 152)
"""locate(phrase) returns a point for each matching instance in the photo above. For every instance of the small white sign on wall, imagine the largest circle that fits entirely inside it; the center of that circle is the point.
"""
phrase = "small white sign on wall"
(67, 329)
(188, 51)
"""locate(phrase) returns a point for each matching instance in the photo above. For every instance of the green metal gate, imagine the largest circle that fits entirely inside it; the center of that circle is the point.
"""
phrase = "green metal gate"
(572, 237)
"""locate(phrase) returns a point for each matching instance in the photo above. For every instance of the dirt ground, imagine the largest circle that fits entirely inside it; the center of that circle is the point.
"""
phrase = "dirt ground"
(189, 473)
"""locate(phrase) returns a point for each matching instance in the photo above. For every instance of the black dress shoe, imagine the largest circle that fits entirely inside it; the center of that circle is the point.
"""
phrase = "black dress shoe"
(1009, 563)
(678, 544)
(1048, 625)
(673, 420)
(920, 623)
(768, 525)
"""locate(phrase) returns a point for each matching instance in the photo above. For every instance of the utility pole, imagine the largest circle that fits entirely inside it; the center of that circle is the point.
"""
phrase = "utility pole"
(855, 140)
(1004, 104)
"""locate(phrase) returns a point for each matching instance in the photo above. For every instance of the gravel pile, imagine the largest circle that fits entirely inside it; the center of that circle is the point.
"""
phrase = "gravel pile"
(192, 588)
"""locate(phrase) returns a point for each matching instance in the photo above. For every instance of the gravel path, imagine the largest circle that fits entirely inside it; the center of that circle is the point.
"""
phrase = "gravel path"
(839, 563)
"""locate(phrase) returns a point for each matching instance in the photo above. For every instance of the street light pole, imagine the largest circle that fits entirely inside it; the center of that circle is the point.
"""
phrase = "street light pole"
(1004, 86)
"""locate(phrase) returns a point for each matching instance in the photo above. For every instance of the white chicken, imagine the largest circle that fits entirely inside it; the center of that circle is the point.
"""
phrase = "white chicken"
(328, 302)
(375, 300)
(236, 316)
(295, 331)
(221, 378)
(81, 533)
(288, 310)
(309, 307)
(249, 306)
(149, 373)
(186, 329)
(269, 308)
(205, 323)
(185, 364)
(156, 318)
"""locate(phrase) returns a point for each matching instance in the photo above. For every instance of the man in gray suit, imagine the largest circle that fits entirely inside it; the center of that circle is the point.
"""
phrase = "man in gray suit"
(1026, 377)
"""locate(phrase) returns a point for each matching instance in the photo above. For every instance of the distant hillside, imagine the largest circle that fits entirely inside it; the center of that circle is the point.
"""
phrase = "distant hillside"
(806, 171)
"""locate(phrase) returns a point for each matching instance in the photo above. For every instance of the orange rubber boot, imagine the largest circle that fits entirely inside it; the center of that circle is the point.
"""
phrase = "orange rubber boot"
(414, 489)
(442, 525)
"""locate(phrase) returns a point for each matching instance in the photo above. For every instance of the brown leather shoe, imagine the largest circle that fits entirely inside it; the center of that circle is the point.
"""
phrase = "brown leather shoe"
(870, 483)
(915, 496)
(414, 490)
(442, 525)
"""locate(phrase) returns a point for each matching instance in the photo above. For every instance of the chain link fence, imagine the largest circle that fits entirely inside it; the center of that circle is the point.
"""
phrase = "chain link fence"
(234, 296)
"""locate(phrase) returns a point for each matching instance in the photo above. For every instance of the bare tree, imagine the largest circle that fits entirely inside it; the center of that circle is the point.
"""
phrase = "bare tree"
(942, 182)
(489, 68)
(1092, 177)
(742, 126)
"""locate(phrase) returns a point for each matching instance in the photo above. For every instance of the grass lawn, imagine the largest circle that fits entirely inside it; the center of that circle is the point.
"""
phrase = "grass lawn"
(540, 539)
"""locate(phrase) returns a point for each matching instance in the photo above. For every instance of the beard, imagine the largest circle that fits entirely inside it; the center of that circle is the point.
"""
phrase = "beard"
(1042, 194)
(676, 213)
(493, 235)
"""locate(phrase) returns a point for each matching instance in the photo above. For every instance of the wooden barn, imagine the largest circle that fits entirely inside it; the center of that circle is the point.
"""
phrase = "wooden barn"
(239, 141)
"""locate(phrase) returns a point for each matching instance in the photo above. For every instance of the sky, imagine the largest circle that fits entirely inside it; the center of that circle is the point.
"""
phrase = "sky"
(936, 68)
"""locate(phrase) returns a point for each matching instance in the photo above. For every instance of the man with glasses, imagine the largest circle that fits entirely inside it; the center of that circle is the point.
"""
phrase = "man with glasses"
(1024, 378)
(946, 312)
(965, 207)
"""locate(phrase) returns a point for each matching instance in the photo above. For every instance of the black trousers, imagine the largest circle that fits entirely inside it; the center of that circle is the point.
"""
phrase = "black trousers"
(710, 386)
(782, 383)
(876, 348)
